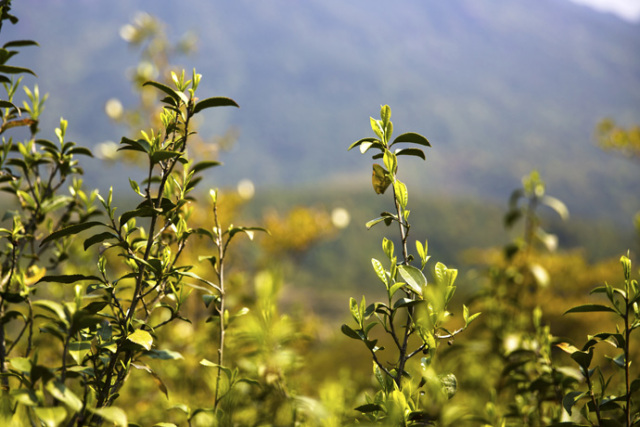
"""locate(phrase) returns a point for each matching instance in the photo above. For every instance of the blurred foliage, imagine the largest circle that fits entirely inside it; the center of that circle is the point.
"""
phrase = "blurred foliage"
(158, 320)
(612, 137)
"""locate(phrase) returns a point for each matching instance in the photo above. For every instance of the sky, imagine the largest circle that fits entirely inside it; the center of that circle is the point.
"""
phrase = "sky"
(626, 9)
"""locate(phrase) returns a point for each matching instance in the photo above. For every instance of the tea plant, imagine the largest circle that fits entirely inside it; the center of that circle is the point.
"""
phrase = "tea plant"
(597, 404)
(414, 315)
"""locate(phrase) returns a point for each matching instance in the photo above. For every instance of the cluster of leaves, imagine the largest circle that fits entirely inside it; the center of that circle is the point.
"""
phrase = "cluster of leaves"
(89, 295)
(414, 315)
(598, 405)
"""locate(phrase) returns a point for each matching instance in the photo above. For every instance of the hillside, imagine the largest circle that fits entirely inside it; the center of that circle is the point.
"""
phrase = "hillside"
(499, 87)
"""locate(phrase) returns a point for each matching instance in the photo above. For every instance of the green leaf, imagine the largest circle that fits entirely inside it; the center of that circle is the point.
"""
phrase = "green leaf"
(7, 69)
(137, 145)
(414, 278)
(200, 166)
(367, 143)
(583, 358)
(401, 193)
(388, 248)
(571, 399)
(416, 152)
(62, 393)
(203, 280)
(369, 407)
(406, 302)
(21, 364)
(71, 230)
(246, 230)
(589, 308)
(348, 331)
(81, 151)
(51, 416)
(379, 269)
(159, 155)
(112, 414)
(376, 126)
(67, 278)
(98, 238)
(218, 101)
(7, 104)
(142, 338)
(53, 307)
(20, 43)
(137, 213)
(176, 95)
(355, 311)
(386, 218)
(380, 179)
(413, 138)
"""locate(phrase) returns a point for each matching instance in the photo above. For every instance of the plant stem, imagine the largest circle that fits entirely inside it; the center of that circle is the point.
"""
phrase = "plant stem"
(220, 271)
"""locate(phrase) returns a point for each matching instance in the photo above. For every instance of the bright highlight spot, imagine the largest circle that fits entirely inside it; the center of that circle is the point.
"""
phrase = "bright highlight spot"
(107, 150)
(246, 189)
(127, 32)
(113, 108)
(340, 217)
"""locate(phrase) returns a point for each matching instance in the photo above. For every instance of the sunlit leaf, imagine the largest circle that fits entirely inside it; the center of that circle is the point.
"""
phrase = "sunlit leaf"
(112, 414)
(51, 416)
(142, 338)
(62, 393)
(413, 277)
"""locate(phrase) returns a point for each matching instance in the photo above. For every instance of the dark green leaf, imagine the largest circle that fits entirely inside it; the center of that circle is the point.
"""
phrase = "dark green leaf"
(583, 358)
(588, 308)
(350, 332)
(411, 152)
(218, 101)
(137, 213)
(200, 166)
(369, 407)
(137, 145)
(19, 43)
(7, 104)
(411, 137)
(98, 238)
(81, 150)
(71, 230)
(571, 399)
(67, 278)
(8, 69)
(406, 302)
(363, 140)
(160, 155)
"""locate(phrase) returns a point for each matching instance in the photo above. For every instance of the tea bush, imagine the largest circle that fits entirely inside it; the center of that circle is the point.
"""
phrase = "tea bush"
(168, 314)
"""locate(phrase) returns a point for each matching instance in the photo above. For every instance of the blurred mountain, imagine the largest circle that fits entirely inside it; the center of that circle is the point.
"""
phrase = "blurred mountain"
(499, 87)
